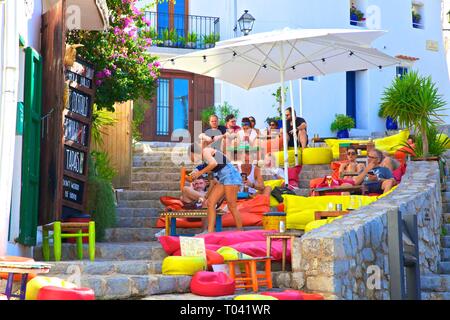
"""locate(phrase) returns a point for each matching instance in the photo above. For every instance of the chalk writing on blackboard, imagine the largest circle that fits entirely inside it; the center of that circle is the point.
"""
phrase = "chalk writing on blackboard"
(73, 160)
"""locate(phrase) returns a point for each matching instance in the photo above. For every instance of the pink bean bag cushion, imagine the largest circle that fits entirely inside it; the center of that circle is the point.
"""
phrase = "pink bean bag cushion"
(251, 242)
(212, 284)
(285, 295)
(57, 293)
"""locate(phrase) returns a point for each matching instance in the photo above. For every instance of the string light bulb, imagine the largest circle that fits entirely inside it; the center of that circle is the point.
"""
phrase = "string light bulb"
(204, 58)
(173, 61)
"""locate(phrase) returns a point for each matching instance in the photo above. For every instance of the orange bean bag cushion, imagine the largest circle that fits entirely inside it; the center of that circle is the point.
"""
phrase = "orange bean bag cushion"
(17, 277)
(251, 211)
(212, 284)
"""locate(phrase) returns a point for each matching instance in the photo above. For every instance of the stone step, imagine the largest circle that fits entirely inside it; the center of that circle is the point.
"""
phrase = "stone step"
(132, 286)
(445, 241)
(445, 254)
(158, 169)
(149, 185)
(446, 207)
(446, 217)
(436, 295)
(137, 213)
(436, 283)
(136, 222)
(110, 251)
(444, 267)
(156, 176)
(147, 204)
(107, 267)
(447, 227)
(446, 196)
(131, 195)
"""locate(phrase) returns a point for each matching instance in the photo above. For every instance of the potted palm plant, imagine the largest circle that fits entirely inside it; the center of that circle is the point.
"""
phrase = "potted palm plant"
(415, 103)
(416, 17)
(166, 38)
(210, 40)
(342, 124)
(355, 16)
(191, 41)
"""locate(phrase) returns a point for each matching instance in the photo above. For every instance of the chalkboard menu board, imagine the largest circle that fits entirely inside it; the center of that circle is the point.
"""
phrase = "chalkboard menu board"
(77, 122)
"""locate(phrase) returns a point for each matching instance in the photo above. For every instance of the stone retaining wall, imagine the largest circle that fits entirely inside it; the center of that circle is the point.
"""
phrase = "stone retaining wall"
(348, 259)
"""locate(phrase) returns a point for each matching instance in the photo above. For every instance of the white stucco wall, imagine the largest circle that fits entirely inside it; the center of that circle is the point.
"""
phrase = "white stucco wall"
(327, 95)
(446, 27)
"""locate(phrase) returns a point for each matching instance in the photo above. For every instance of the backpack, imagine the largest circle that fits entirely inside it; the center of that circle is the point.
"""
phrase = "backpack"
(278, 192)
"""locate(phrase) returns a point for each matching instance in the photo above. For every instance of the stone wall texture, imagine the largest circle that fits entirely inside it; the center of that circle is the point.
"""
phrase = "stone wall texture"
(348, 259)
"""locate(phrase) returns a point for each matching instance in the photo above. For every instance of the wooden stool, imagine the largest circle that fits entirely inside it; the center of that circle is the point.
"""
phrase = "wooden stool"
(284, 236)
(68, 230)
(250, 279)
(171, 218)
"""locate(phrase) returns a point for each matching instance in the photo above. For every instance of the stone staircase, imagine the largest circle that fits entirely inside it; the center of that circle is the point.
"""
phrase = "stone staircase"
(437, 286)
(128, 262)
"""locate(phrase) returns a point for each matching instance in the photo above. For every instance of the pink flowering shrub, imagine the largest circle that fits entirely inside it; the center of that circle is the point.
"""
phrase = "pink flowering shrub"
(124, 68)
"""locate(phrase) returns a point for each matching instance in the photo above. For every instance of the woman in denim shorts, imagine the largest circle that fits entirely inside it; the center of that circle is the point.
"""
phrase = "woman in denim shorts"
(229, 182)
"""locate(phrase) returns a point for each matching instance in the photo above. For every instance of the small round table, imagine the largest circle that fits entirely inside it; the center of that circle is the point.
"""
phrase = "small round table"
(13, 268)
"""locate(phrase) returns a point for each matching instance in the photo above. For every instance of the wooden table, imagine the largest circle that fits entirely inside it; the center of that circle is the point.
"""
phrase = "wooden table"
(284, 236)
(350, 189)
(318, 215)
(250, 279)
(171, 218)
(23, 268)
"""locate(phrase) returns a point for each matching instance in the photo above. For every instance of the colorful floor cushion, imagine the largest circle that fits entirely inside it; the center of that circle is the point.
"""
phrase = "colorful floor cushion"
(178, 265)
(212, 257)
(34, 285)
(251, 211)
(389, 144)
(301, 210)
(279, 157)
(229, 253)
(318, 223)
(254, 297)
(57, 293)
(285, 295)
(212, 284)
(317, 156)
(273, 184)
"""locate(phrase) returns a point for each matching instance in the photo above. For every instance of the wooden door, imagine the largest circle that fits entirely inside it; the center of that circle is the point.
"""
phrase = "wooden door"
(117, 142)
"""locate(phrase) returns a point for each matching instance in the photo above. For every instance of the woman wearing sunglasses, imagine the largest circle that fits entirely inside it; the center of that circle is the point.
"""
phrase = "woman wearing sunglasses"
(247, 135)
(350, 165)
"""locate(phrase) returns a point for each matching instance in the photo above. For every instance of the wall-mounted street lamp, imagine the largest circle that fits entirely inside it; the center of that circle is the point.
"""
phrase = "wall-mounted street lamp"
(246, 22)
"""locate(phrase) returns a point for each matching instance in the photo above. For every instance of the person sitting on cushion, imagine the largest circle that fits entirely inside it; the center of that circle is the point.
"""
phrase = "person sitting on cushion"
(195, 193)
(375, 177)
(350, 166)
(247, 135)
(252, 177)
(270, 168)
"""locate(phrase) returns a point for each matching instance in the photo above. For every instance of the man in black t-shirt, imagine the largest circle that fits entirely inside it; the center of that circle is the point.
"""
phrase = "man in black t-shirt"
(215, 132)
(300, 124)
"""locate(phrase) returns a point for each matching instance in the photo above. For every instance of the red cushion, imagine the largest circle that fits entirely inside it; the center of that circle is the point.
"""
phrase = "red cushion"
(57, 293)
(311, 296)
(285, 295)
(170, 244)
(212, 284)
(171, 203)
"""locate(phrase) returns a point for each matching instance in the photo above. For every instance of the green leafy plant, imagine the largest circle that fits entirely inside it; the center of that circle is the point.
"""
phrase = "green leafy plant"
(125, 70)
(415, 103)
(192, 37)
(342, 122)
(437, 143)
(100, 119)
(101, 201)
(277, 95)
(221, 111)
(166, 34)
(173, 36)
(181, 41)
(357, 12)
(270, 119)
(140, 106)
(211, 39)
(416, 17)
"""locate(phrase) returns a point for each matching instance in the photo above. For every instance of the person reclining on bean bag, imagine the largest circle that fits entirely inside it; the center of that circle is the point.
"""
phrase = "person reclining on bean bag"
(350, 166)
(194, 196)
(252, 180)
(375, 177)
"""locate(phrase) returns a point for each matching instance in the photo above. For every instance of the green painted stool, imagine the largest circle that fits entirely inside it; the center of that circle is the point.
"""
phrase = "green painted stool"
(68, 230)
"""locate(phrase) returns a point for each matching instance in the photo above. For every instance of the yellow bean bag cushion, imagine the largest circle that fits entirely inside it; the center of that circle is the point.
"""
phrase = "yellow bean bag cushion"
(279, 157)
(301, 210)
(229, 253)
(35, 284)
(180, 265)
(318, 223)
(389, 144)
(254, 297)
(317, 156)
(385, 194)
(273, 184)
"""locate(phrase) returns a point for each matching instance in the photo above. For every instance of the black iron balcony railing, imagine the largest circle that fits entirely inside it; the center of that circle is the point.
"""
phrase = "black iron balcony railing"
(183, 31)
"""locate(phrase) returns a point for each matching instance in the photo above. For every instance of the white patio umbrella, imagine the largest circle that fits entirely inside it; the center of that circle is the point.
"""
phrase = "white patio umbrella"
(288, 54)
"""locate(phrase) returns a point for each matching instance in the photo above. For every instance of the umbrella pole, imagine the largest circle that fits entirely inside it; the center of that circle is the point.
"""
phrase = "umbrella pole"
(294, 127)
(283, 117)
